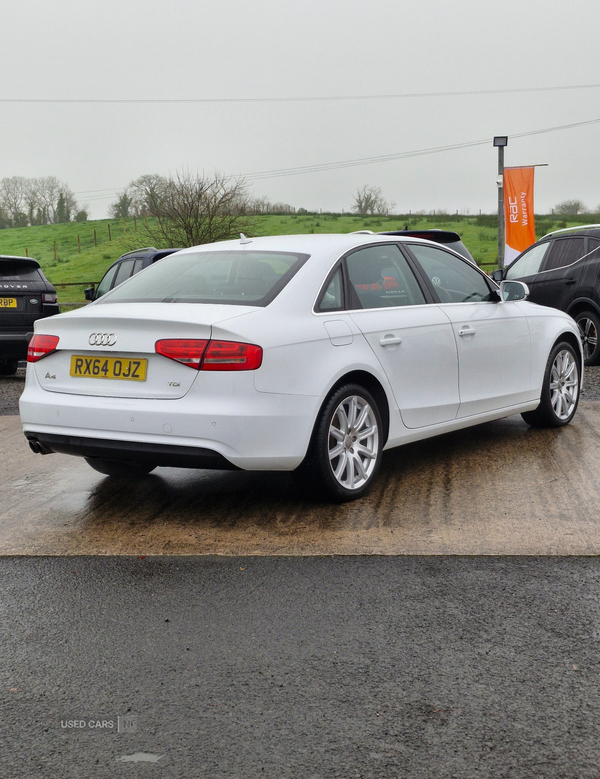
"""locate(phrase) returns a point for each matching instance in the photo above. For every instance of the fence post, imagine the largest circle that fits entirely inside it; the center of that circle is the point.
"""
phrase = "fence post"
(26, 252)
(95, 241)
(109, 235)
(123, 226)
(145, 222)
(134, 225)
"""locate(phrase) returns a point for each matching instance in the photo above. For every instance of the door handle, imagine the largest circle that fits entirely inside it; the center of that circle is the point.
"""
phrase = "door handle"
(467, 331)
(570, 280)
(390, 340)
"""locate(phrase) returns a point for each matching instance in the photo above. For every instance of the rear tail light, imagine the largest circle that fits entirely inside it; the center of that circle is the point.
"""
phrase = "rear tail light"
(41, 346)
(188, 352)
(232, 356)
(49, 297)
(212, 355)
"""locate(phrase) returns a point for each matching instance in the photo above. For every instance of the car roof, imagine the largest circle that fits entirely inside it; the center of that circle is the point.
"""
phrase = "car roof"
(310, 242)
(148, 251)
(137, 254)
(433, 234)
(592, 229)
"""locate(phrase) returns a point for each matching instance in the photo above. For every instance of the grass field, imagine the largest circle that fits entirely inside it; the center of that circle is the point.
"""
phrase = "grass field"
(68, 254)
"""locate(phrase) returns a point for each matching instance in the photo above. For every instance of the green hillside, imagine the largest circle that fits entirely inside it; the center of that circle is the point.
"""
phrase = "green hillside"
(68, 254)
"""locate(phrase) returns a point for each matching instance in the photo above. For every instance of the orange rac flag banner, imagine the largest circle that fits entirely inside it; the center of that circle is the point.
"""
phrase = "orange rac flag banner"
(518, 211)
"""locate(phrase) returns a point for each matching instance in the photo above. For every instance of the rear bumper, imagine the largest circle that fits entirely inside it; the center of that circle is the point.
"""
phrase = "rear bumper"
(155, 454)
(217, 429)
(13, 346)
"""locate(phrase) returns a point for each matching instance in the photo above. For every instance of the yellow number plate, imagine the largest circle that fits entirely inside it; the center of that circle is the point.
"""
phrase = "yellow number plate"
(8, 302)
(108, 368)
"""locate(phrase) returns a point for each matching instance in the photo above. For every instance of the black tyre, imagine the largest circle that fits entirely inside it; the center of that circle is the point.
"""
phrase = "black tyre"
(560, 389)
(122, 468)
(8, 367)
(345, 451)
(588, 323)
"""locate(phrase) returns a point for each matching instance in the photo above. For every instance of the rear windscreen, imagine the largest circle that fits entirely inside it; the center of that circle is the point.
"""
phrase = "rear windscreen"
(238, 278)
(18, 271)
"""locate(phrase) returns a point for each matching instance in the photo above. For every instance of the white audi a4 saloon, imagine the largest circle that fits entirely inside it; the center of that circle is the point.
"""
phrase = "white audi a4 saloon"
(306, 353)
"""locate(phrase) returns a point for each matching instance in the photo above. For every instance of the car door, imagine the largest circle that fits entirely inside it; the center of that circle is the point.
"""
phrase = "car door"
(560, 272)
(411, 337)
(492, 337)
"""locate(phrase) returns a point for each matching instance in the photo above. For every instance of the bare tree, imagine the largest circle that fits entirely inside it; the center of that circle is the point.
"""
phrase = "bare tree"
(49, 189)
(12, 200)
(71, 205)
(32, 200)
(145, 193)
(370, 200)
(260, 205)
(282, 208)
(36, 201)
(569, 208)
(193, 209)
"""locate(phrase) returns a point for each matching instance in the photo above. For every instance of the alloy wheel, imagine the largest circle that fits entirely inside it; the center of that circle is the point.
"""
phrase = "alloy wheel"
(353, 442)
(589, 336)
(564, 384)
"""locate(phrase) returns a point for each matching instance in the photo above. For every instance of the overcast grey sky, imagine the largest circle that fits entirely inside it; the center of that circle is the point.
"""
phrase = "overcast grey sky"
(237, 49)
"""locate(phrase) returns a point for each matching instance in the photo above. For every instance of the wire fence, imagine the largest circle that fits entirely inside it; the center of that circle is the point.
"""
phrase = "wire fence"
(73, 289)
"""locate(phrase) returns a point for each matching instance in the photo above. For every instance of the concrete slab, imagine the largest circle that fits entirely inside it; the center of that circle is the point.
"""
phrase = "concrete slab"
(501, 488)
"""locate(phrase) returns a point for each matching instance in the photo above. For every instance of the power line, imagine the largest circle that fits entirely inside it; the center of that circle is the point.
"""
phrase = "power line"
(314, 99)
(96, 194)
(401, 155)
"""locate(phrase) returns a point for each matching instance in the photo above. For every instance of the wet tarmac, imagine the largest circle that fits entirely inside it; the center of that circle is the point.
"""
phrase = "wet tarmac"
(500, 488)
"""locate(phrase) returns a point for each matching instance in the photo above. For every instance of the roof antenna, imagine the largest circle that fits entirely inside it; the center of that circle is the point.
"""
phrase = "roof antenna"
(243, 239)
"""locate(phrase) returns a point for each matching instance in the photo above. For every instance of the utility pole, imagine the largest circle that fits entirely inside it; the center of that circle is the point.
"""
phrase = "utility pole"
(500, 141)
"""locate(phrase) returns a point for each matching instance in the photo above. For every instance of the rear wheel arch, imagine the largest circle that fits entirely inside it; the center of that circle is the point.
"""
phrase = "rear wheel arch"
(581, 305)
(370, 383)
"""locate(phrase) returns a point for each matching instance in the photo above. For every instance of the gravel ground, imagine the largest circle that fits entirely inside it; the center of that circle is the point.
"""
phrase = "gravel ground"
(11, 388)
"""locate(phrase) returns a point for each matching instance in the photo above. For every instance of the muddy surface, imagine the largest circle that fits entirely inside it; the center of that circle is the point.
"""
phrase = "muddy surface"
(499, 488)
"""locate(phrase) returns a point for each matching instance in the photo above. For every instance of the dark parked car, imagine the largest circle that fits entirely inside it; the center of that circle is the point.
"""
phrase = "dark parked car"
(126, 266)
(25, 295)
(562, 270)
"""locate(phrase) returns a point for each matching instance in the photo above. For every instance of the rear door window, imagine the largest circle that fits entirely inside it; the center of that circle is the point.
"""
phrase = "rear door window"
(380, 277)
(124, 272)
(332, 297)
(564, 251)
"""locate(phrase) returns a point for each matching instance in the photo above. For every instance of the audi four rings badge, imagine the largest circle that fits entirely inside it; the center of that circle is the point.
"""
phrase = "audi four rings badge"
(102, 339)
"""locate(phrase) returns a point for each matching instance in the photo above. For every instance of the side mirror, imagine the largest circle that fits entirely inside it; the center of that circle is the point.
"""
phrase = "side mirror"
(513, 290)
(497, 275)
(89, 293)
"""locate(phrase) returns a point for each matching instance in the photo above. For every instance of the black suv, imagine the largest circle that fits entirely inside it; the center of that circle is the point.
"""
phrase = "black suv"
(562, 270)
(126, 266)
(25, 295)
